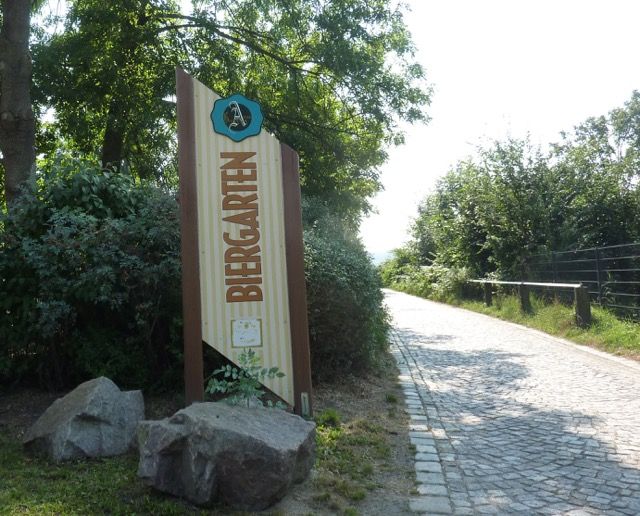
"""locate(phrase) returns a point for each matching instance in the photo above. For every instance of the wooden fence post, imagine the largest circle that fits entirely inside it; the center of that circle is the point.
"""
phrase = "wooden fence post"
(525, 302)
(487, 294)
(583, 306)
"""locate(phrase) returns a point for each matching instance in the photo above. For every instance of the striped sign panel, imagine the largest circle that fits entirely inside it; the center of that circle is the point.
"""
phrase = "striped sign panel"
(241, 245)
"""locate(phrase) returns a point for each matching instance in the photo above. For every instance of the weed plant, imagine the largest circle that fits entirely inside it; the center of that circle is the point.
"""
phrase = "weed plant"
(242, 385)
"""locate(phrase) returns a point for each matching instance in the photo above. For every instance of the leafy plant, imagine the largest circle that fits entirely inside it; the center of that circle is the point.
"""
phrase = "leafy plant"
(348, 323)
(446, 284)
(243, 384)
(329, 417)
(491, 213)
(90, 282)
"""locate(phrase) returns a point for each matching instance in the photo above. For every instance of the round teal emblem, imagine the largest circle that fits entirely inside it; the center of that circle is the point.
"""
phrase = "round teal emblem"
(237, 117)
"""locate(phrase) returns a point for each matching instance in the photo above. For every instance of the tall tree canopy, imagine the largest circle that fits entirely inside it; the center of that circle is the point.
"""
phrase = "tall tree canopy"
(333, 77)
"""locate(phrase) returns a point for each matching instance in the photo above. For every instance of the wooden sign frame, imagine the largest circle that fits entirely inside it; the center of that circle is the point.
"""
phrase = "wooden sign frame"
(190, 253)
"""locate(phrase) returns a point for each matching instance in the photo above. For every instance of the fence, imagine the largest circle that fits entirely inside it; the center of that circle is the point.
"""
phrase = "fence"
(580, 295)
(612, 274)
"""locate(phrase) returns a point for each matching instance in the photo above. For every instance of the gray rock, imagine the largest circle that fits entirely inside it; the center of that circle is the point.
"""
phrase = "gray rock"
(96, 419)
(212, 452)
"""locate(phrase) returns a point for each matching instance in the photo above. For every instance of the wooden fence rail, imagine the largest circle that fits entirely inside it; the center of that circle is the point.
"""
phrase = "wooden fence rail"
(580, 295)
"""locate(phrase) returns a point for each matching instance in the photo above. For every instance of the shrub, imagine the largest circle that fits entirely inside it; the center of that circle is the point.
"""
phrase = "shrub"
(90, 282)
(347, 321)
(447, 284)
(394, 269)
(90, 285)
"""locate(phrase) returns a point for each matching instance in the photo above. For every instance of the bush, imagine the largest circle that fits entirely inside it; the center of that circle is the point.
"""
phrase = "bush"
(90, 268)
(90, 282)
(446, 284)
(347, 321)
(393, 270)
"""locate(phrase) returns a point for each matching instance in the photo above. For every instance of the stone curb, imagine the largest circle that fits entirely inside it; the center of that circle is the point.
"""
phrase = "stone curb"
(433, 497)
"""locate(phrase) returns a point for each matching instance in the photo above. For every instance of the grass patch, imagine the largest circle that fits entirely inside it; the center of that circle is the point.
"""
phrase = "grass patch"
(107, 486)
(607, 332)
(328, 417)
(391, 398)
(348, 456)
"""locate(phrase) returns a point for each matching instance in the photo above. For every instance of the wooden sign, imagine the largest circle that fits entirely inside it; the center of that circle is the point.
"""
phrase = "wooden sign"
(242, 251)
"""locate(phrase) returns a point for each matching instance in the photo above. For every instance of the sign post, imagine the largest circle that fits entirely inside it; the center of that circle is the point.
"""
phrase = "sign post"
(242, 251)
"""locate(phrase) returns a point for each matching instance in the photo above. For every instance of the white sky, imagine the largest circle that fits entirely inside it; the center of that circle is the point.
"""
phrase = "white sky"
(503, 68)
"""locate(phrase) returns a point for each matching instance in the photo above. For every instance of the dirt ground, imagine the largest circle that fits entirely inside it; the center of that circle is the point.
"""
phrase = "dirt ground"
(366, 398)
(375, 399)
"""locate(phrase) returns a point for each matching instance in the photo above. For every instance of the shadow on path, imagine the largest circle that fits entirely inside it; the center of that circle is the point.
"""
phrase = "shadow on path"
(509, 446)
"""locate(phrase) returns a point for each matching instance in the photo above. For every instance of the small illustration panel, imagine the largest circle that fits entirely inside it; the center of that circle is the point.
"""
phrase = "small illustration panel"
(246, 333)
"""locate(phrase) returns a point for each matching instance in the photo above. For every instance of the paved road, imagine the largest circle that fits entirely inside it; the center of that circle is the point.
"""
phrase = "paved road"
(507, 420)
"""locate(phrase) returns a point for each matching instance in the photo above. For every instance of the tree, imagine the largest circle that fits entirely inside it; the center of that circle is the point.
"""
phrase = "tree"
(17, 122)
(515, 212)
(333, 79)
(108, 75)
(449, 225)
(595, 173)
(488, 214)
(493, 212)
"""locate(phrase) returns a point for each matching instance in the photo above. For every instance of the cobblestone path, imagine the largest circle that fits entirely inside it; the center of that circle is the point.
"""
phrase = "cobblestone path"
(508, 420)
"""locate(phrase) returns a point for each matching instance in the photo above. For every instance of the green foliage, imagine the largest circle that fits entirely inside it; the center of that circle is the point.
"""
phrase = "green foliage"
(596, 181)
(107, 75)
(436, 282)
(90, 281)
(91, 285)
(490, 214)
(402, 261)
(347, 321)
(334, 78)
(328, 417)
(243, 384)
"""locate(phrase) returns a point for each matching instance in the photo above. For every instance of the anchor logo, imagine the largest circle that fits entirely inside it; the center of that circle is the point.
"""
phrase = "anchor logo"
(236, 112)
(237, 117)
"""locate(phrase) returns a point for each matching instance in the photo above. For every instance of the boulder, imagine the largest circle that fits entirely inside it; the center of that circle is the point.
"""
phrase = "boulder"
(246, 458)
(96, 419)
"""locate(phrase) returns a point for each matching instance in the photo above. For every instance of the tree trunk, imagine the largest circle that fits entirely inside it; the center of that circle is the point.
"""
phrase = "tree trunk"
(17, 123)
(113, 140)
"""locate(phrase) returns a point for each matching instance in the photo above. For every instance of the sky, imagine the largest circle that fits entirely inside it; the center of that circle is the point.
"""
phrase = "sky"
(502, 68)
